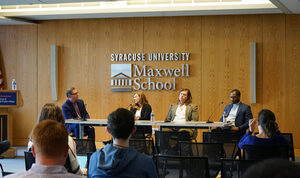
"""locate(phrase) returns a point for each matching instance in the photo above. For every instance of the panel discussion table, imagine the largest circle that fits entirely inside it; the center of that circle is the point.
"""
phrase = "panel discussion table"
(160, 124)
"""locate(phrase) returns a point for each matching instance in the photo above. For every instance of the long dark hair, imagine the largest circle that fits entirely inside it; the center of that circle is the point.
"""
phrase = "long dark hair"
(267, 121)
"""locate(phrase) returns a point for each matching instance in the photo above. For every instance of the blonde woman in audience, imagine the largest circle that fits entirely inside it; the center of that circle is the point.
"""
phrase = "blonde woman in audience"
(52, 112)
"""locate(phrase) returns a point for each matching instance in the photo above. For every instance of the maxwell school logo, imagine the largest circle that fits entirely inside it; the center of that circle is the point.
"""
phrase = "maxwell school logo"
(120, 77)
(127, 77)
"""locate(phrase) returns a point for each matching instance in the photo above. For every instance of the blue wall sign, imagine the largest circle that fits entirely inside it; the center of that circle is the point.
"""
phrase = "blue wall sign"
(8, 98)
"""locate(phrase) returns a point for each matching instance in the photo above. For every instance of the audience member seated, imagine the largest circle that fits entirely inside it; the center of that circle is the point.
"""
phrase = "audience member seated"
(183, 111)
(50, 149)
(273, 168)
(118, 159)
(268, 131)
(52, 112)
(142, 111)
(4, 146)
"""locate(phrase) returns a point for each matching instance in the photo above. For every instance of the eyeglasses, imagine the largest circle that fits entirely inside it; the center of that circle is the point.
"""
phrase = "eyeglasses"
(75, 93)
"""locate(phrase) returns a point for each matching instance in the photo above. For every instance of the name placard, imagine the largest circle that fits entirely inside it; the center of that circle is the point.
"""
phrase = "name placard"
(8, 98)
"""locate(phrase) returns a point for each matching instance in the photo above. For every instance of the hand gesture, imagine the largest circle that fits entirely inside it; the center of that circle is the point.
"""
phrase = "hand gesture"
(252, 123)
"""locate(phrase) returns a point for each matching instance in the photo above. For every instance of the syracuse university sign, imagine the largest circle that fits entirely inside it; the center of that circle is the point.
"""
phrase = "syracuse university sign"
(127, 76)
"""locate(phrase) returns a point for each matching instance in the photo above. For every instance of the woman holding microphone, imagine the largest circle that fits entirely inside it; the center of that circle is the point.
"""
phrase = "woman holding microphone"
(142, 111)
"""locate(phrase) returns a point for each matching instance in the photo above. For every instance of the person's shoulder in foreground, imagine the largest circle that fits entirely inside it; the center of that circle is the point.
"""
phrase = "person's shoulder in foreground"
(121, 162)
(50, 149)
(40, 171)
(273, 168)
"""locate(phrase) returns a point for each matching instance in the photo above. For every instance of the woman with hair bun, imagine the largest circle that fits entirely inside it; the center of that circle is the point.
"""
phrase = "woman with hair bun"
(268, 131)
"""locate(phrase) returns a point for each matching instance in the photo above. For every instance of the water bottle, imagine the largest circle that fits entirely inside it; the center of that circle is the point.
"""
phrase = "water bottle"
(224, 118)
(14, 84)
(152, 116)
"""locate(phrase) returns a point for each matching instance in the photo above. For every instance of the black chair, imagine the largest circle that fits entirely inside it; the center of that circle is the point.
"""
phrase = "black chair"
(266, 151)
(213, 151)
(143, 146)
(167, 143)
(229, 139)
(191, 167)
(289, 137)
(83, 146)
(4, 173)
(29, 159)
(142, 132)
(234, 168)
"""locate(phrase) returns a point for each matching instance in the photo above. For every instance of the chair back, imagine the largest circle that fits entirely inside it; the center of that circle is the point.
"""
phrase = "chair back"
(143, 146)
(142, 132)
(4, 173)
(289, 137)
(212, 151)
(266, 151)
(29, 159)
(235, 167)
(229, 139)
(192, 167)
(167, 143)
(83, 146)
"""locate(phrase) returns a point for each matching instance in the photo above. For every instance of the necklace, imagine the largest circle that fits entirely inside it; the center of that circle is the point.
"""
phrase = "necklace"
(119, 146)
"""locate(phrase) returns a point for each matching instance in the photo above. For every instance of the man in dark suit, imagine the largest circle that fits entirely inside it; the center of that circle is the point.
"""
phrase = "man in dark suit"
(237, 113)
(74, 108)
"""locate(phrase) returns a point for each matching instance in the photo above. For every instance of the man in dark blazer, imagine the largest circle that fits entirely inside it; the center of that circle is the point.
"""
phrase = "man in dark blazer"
(237, 113)
(74, 108)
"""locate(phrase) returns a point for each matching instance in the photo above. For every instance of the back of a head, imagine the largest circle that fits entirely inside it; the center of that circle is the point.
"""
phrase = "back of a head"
(50, 138)
(273, 168)
(267, 121)
(51, 111)
(120, 123)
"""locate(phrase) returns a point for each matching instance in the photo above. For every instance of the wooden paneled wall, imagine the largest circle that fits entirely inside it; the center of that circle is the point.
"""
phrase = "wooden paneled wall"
(219, 62)
(18, 50)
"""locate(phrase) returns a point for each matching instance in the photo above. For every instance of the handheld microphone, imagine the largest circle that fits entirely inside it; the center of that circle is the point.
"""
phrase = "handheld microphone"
(208, 121)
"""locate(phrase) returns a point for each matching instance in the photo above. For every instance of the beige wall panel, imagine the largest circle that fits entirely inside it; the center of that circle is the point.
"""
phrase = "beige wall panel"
(174, 34)
(84, 59)
(274, 64)
(291, 121)
(226, 59)
(18, 45)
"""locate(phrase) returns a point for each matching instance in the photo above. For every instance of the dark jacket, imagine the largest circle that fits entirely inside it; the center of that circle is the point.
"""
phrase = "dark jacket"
(249, 139)
(69, 110)
(145, 112)
(145, 115)
(70, 113)
(243, 116)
